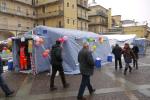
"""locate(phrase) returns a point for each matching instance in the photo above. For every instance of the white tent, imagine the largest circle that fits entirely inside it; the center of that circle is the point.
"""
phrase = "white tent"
(120, 39)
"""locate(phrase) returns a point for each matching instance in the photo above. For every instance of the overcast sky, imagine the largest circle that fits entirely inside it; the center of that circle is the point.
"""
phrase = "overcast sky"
(129, 9)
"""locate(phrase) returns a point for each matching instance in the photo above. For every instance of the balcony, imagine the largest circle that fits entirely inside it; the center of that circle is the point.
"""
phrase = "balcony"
(45, 2)
(15, 12)
(82, 28)
(98, 23)
(99, 13)
(14, 27)
(29, 2)
(50, 14)
(83, 17)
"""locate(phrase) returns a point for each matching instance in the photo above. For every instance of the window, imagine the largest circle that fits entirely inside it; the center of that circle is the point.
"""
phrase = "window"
(33, 13)
(85, 13)
(4, 6)
(36, 1)
(19, 25)
(73, 22)
(43, 9)
(33, 2)
(27, 12)
(18, 10)
(43, 21)
(85, 3)
(81, 26)
(67, 4)
(60, 24)
(72, 6)
(68, 21)
(85, 25)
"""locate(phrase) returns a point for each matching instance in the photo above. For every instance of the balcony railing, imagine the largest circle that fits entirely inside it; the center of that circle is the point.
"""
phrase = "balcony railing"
(99, 23)
(83, 17)
(15, 12)
(99, 13)
(82, 28)
(50, 14)
(14, 27)
(29, 2)
(43, 2)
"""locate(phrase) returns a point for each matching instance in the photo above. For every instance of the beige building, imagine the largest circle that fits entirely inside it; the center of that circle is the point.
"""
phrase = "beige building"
(100, 19)
(140, 30)
(18, 16)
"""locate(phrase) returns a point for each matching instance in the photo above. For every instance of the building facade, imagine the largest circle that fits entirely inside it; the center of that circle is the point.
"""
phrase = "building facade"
(18, 16)
(140, 30)
(100, 19)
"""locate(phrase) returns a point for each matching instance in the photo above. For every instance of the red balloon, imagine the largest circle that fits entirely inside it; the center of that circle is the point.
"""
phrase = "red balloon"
(62, 40)
(4, 48)
(45, 54)
(41, 40)
(47, 50)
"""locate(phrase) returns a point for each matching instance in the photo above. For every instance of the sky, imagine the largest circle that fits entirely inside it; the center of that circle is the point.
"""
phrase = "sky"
(129, 9)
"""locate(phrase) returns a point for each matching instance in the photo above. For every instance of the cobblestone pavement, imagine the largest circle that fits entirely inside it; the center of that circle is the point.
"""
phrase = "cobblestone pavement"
(109, 84)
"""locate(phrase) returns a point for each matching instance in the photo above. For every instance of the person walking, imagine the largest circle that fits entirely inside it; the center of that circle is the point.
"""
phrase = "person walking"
(128, 56)
(3, 84)
(135, 51)
(86, 64)
(117, 51)
(56, 61)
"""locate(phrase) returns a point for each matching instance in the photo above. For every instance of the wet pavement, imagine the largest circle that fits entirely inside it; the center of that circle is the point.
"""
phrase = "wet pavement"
(109, 84)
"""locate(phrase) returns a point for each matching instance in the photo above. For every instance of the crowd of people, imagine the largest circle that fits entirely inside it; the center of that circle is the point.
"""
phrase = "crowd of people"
(86, 64)
(129, 54)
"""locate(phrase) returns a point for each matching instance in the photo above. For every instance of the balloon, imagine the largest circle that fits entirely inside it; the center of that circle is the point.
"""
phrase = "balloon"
(94, 47)
(101, 39)
(45, 54)
(47, 50)
(36, 38)
(61, 40)
(90, 39)
(65, 38)
(4, 48)
(37, 43)
(8, 51)
(41, 40)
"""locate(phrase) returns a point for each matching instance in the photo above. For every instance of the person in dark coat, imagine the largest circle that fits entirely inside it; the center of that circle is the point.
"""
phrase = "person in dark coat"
(135, 51)
(117, 51)
(56, 61)
(86, 64)
(3, 85)
(128, 56)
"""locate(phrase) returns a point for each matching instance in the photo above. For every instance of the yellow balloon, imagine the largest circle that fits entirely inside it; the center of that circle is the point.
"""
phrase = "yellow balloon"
(8, 51)
(94, 47)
